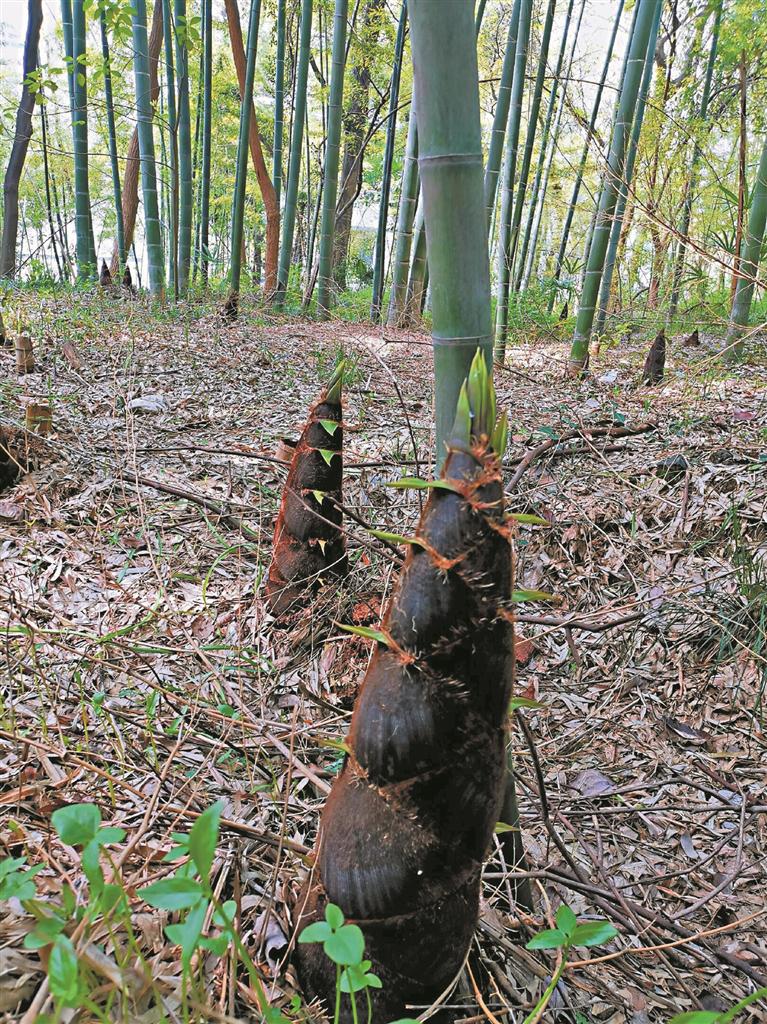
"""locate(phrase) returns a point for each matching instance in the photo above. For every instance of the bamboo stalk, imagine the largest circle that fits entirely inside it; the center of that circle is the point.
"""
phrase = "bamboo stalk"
(152, 228)
(391, 135)
(332, 158)
(646, 13)
(294, 160)
(238, 206)
(507, 184)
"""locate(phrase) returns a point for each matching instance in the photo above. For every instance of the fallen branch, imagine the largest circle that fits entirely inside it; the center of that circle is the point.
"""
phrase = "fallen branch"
(573, 622)
(198, 499)
(526, 461)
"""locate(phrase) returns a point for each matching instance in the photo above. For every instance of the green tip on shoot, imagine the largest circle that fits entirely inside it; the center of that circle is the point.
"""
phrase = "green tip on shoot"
(475, 416)
(462, 426)
(336, 382)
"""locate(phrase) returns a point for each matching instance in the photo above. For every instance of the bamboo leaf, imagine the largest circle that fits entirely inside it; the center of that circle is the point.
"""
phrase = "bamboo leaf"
(367, 633)
(462, 426)
(518, 596)
(336, 745)
(501, 827)
(327, 454)
(415, 483)
(523, 702)
(500, 436)
(396, 538)
(330, 426)
(529, 519)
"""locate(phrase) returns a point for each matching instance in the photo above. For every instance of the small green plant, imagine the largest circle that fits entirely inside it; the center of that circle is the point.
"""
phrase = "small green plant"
(77, 825)
(62, 927)
(719, 1016)
(190, 891)
(344, 944)
(568, 933)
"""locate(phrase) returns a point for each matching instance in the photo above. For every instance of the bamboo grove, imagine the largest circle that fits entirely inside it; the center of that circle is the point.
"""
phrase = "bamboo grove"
(275, 152)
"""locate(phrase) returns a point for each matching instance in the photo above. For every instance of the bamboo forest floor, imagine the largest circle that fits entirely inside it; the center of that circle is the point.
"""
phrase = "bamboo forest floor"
(140, 669)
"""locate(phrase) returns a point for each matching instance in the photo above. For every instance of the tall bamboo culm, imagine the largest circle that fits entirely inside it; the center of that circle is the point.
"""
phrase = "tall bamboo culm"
(532, 129)
(501, 115)
(616, 227)
(538, 193)
(507, 184)
(152, 229)
(279, 100)
(294, 159)
(113, 159)
(613, 175)
(403, 240)
(73, 19)
(684, 225)
(207, 101)
(450, 163)
(391, 135)
(185, 197)
(231, 307)
(171, 120)
(332, 157)
(748, 268)
(585, 152)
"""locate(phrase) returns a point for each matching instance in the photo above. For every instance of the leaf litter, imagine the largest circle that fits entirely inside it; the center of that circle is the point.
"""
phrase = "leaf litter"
(142, 672)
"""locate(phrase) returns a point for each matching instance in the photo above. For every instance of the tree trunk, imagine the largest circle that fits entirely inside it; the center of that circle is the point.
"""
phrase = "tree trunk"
(265, 184)
(132, 160)
(21, 138)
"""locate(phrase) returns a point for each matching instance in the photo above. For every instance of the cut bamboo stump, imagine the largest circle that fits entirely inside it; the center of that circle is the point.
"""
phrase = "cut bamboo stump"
(39, 418)
(5, 341)
(25, 356)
